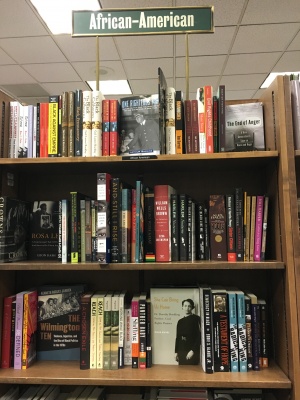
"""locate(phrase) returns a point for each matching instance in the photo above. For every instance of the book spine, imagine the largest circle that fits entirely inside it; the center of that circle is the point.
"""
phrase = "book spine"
(25, 331)
(121, 330)
(65, 250)
(174, 228)
(13, 331)
(230, 225)
(170, 121)
(233, 332)
(126, 225)
(71, 123)
(96, 123)
(15, 131)
(25, 127)
(100, 331)
(113, 127)
(105, 127)
(248, 318)
(195, 127)
(87, 231)
(103, 218)
(44, 127)
(29, 329)
(200, 236)
(162, 204)
(115, 219)
(220, 329)
(217, 227)
(188, 126)
(201, 120)
(264, 347)
(93, 333)
(183, 234)
(255, 336)
(82, 228)
(53, 127)
(20, 144)
(207, 359)
(149, 230)
(179, 123)
(135, 331)
(114, 338)
(59, 128)
(239, 225)
(189, 229)
(208, 106)
(87, 123)
(242, 336)
(94, 208)
(258, 227)
(142, 331)
(248, 229)
(264, 229)
(30, 131)
(78, 123)
(221, 125)
(18, 331)
(252, 229)
(107, 332)
(215, 123)
(76, 229)
(85, 321)
(6, 340)
(139, 227)
(148, 334)
(133, 224)
(64, 124)
(128, 334)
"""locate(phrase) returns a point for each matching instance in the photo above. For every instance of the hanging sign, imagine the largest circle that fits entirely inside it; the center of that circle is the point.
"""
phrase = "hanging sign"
(145, 21)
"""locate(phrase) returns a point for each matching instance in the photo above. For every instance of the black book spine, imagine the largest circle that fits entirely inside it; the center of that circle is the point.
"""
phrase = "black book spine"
(174, 228)
(149, 231)
(183, 233)
(248, 317)
(200, 233)
(239, 225)
(208, 330)
(206, 234)
(189, 228)
(255, 336)
(221, 335)
(78, 123)
(115, 219)
(148, 335)
(85, 322)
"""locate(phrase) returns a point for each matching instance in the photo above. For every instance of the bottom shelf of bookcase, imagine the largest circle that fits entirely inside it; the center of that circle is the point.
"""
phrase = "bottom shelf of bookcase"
(68, 373)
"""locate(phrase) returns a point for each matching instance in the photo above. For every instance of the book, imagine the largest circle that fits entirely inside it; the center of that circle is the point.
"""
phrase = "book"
(188, 129)
(148, 334)
(107, 330)
(183, 221)
(142, 330)
(97, 98)
(105, 127)
(52, 127)
(6, 337)
(122, 322)
(20, 132)
(71, 123)
(233, 330)
(126, 225)
(15, 215)
(201, 120)
(76, 226)
(252, 228)
(85, 331)
(93, 332)
(128, 335)
(139, 222)
(182, 393)
(179, 122)
(258, 227)
(135, 344)
(99, 297)
(239, 224)
(149, 229)
(44, 230)
(264, 229)
(239, 394)
(242, 334)
(255, 323)
(78, 113)
(264, 333)
(113, 127)
(11, 394)
(116, 186)
(59, 322)
(244, 127)
(170, 121)
(103, 218)
(248, 319)
(65, 231)
(221, 94)
(195, 126)
(217, 227)
(86, 123)
(64, 124)
(162, 88)
(206, 354)
(175, 325)
(295, 103)
(30, 130)
(29, 328)
(174, 227)
(25, 131)
(162, 207)
(247, 222)
(208, 115)
(200, 234)
(87, 230)
(230, 227)
(114, 336)
(140, 119)
(215, 123)
(19, 329)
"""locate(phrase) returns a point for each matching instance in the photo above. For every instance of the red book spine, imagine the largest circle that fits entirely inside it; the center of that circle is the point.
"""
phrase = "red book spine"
(113, 127)
(195, 126)
(44, 113)
(188, 126)
(162, 210)
(208, 97)
(105, 128)
(258, 227)
(6, 361)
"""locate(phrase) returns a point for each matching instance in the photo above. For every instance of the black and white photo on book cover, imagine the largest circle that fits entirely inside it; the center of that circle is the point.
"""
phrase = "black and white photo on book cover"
(140, 125)
(175, 325)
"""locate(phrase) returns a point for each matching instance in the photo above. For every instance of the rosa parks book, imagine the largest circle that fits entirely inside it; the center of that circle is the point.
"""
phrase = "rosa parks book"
(59, 322)
(175, 325)
(44, 230)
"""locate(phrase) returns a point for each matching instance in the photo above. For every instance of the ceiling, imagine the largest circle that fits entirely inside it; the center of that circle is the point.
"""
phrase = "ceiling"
(252, 38)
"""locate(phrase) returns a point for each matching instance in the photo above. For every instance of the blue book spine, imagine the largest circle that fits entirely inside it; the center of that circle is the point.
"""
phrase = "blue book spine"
(233, 333)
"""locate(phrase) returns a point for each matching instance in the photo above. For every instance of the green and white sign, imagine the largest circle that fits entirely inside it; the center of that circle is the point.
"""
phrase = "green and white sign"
(146, 21)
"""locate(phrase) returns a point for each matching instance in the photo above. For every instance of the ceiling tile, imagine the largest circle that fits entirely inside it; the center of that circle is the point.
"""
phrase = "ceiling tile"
(111, 70)
(32, 50)
(142, 47)
(241, 82)
(5, 59)
(85, 48)
(264, 38)
(295, 45)
(290, 61)
(58, 88)
(250, 63)
(54, 72)
(135, 3)
(194, 83)
(33, 100)
(200, 66)
(14, 74)
(23, 89)
(270, 11)
(143, 86)
(17, 19)
(239, 94)
(147, 69)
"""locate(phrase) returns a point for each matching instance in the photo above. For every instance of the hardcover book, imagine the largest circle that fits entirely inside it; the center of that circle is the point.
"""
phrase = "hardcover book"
(170, 121)
(175, 325)
(85, 330)
(113, 127)
(149, 231)
(44, 230)
(97, 98)
(105, 127)
(19, 329)
(140, 135)
(52, 127)
(78, 123)
(29, 328)
(244, 127)
(206, 354)
(217, 226)
(15, 229)
(76, 226)
(103, 218)
(7, 339)
(59, 322)
(107, 331)
(135, 344)
(179, 122)
(87, 123)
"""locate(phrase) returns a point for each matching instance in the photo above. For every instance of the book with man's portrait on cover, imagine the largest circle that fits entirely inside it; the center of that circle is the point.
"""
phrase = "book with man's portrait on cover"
(175, 325)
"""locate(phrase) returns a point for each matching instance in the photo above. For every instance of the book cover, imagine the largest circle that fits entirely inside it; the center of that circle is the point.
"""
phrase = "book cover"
(59, 322)
(86, 123)
(107, 330)
(7, 339)
(103, 218)
(135, 338)
(71, 123)
(217, 227)
(140, 133)
(244, 127)
(105, 127)
(258, 227)
(175, 325)
(29, 342)
(206, 354)
(44, 230)
(97, 98)
(126, 225)
(85, 330)
(170, 121)
(179, 123)
(149, 230)
(114, 337)
(78, 123)
(14, 234)
(113, 127)
(52, 127)
(162, 207)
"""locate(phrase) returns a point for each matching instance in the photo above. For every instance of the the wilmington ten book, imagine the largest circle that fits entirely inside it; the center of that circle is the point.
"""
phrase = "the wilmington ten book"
(59, 322)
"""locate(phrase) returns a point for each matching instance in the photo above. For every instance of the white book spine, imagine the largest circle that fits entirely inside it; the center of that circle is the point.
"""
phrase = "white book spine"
(97, 98)
(19, 151)
(170, 121)
(87, 123)
(25, 131)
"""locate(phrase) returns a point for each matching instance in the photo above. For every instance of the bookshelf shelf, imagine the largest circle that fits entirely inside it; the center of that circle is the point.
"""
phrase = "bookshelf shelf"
(68, 373)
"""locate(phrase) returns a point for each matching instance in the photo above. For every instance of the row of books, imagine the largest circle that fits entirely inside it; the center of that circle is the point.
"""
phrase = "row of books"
(54, 392)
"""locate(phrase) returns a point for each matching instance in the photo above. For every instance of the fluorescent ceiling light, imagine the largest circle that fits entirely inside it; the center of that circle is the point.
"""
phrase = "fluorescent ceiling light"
(273, 75)
(111, 87)
(57, 14)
